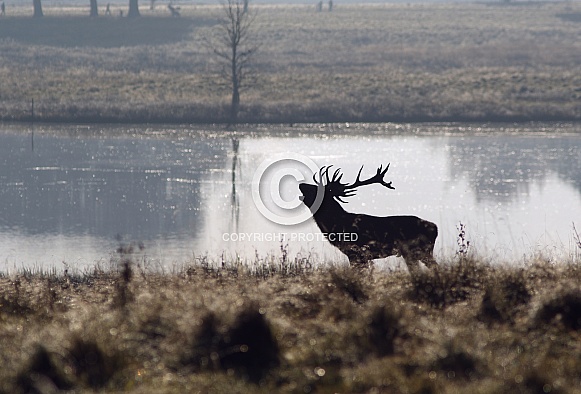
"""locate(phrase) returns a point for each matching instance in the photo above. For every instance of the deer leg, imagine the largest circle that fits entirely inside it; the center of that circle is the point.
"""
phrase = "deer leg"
(410, 257)
(417, 251)
(428, 258)
(430, 262)
(412, 263)
(358, 260)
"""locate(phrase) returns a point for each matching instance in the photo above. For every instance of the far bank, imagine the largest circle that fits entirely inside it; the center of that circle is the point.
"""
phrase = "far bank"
(371, 63)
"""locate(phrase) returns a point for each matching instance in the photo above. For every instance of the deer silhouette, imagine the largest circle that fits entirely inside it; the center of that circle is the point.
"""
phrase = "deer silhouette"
(366, 237)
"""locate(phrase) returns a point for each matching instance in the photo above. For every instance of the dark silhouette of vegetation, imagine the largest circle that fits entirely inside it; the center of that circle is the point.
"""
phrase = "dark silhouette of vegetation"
(501, 301)
(350, 282)
(85, 364)
(564, 309)
(383, 328)
(91, 365)
(456, 363)
(247, 346)
(576, 237)
(448, 285)
(125, 254)
(42, 374)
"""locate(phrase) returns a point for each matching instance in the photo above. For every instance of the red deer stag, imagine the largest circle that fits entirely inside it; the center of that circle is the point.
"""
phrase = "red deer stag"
(377, 237)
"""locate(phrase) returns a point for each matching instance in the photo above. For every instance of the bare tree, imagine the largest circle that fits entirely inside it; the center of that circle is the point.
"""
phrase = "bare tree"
(37, 8)
(234, 47)
(94, 9)
(133, 9)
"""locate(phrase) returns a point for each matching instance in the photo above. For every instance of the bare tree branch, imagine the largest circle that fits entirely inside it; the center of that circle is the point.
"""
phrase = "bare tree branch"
(232, 45)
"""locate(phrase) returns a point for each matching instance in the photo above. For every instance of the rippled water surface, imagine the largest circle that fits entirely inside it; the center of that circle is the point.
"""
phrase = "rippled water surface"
(68, 195)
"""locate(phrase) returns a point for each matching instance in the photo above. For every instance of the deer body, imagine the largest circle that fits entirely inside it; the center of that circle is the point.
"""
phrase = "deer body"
(373, 237)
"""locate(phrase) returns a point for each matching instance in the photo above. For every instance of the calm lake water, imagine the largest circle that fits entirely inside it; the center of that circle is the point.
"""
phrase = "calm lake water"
(68, 195)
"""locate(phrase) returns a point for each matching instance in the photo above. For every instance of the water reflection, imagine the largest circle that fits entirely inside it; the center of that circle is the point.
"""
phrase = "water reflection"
(234, 201)
(103, 186)
(182, 192)
(94, 187)
(503, 169)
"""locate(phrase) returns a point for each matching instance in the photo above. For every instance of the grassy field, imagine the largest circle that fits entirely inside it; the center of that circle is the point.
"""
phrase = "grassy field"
(357, 63)
(472, 327)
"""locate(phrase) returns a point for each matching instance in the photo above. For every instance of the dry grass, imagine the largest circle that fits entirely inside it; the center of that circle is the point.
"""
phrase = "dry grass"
(367, 63)
(470, 328)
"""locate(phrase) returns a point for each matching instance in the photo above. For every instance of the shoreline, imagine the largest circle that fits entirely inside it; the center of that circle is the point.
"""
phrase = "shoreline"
(163, 120)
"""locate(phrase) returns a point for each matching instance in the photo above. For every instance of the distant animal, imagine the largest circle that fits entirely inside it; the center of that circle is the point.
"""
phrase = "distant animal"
(175, 11)
(361, 237)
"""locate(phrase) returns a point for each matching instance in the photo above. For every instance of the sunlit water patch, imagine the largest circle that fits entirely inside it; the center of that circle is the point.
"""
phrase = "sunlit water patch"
(70, 195)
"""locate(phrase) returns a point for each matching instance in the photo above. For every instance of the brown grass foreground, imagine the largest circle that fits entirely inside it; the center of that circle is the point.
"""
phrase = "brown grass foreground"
(382, 62)
(473, 327)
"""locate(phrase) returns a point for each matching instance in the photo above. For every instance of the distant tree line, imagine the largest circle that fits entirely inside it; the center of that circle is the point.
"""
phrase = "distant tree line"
(133, 8)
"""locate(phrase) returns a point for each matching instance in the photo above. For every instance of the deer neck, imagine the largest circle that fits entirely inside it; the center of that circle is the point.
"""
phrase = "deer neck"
(329, 214)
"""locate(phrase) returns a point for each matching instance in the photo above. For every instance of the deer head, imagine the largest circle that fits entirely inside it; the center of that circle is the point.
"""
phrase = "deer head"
(332, 187)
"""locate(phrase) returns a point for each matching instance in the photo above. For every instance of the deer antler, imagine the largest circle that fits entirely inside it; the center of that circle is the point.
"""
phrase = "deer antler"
(377, 178)
(339, 190)
(322, 171)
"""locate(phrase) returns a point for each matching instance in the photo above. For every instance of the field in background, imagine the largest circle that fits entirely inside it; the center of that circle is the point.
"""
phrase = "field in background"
(359, 62)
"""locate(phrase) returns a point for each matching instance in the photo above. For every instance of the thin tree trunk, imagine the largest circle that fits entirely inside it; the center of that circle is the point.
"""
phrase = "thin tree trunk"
(37, 8)
(235, 104)
(94, 8)
(235, 88)
(234, 50)
(133, 9)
